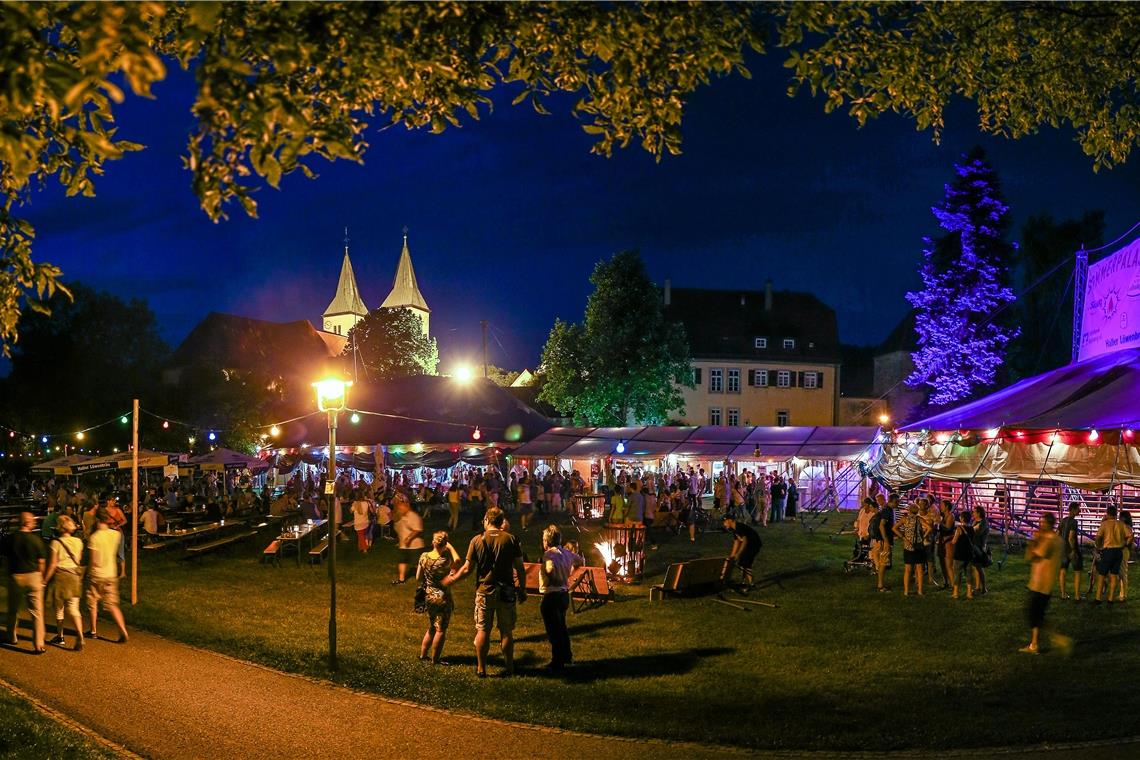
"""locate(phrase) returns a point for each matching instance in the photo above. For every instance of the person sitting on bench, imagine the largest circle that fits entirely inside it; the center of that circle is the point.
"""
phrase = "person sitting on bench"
(745, 546)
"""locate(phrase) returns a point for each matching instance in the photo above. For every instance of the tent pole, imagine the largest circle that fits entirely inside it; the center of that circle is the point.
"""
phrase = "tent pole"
(135, 503)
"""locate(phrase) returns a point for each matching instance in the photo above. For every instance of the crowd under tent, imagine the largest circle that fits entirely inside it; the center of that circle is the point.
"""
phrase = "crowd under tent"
(413, 422)
(1062, 436)
(821, 459)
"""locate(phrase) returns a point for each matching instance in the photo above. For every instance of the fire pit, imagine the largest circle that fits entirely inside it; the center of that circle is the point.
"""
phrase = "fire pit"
(623, 552)
(588, 506)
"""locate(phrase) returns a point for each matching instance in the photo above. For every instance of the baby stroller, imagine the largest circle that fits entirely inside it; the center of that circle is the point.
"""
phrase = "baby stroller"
(860, 556)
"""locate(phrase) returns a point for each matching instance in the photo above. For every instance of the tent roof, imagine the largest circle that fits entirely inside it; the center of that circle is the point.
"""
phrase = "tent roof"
(66, 461)
(1101, 392)
(706, 442)
(228, 458)
(422, 409)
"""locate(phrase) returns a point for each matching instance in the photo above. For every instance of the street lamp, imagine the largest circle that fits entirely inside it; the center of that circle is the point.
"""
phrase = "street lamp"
(463, 374)
(332, 397)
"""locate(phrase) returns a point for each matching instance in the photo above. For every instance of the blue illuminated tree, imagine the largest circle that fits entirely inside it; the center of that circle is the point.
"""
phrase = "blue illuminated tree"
(962, 336)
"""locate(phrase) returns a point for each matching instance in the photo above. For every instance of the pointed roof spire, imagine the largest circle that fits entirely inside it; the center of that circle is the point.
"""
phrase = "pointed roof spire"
(347, 299)
(405, 289)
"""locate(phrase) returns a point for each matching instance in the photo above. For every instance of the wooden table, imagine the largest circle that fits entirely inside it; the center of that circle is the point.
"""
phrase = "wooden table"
(305, 533)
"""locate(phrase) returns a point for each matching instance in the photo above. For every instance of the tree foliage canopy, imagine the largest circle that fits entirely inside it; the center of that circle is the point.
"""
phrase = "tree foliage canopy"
(965, 277)
(391, 343)
(624, 363)
(283, 84)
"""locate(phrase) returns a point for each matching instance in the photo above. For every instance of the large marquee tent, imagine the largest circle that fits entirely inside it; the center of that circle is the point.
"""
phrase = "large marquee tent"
(1073, 425)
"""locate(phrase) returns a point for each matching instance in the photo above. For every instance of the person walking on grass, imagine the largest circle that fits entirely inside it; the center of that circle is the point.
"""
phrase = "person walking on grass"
(1044, 554)
(27, 557)
(882, 525)
(912, 532)
(746, 545)
(409, 534)
(103, 575)
(434, 566)
(496, 558)
(361, 511)
(1071, 556)
(64, 579)
(963, 553)
(554, 587)
(1111, 538)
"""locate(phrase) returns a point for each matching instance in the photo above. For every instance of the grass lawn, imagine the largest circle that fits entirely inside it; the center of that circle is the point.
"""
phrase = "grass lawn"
(25, 732)
(836, 666)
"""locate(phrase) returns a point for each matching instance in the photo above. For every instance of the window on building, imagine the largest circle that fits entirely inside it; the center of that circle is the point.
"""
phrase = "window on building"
(789, 343)
(733, 416)
(716, 380)
(761, 343)
(784, 379)
(697, 375)
(734, 381)
(782, 418)
(811, 379)
(762, 378)
(714, 415)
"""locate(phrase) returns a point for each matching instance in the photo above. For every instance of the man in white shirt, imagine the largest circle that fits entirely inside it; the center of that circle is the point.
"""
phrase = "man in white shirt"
(103, 574)
(409, 532)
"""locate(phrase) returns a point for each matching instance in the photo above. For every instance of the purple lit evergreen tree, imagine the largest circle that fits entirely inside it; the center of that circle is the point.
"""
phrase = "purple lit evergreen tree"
(965, 275)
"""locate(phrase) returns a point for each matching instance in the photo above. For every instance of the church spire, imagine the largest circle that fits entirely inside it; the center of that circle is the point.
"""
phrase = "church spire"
(405, 290)
(347, 307)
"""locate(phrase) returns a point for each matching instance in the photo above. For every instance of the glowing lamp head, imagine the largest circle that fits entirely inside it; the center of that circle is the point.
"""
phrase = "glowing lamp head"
(43, 439)
(80, 435)
(884, 419)
(354, 419)
(477, 434)
(123, 419)
(1094, 436)
(332, 394)
(942, 437)
(212, 436)
(1128, 434)
(275, 431)
(620, 448)
(993, 433)
(166, 424)
(463, 374)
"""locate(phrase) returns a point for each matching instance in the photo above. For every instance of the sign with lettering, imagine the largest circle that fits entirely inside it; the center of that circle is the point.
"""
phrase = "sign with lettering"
(1111, 317)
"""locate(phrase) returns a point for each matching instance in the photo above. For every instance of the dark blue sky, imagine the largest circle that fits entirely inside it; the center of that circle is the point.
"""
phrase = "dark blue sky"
(508, 215)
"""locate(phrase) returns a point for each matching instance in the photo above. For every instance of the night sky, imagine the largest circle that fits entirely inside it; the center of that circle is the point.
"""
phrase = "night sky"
(508, 215)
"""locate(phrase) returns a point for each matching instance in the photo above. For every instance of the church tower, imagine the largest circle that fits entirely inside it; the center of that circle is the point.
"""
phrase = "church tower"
(347, 307)
(405, 291)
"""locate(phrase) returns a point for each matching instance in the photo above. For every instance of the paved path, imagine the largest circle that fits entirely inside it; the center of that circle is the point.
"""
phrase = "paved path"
(163, 699)
(158, 698)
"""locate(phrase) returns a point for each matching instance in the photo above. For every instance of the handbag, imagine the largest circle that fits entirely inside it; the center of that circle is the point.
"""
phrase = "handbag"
(419, 604)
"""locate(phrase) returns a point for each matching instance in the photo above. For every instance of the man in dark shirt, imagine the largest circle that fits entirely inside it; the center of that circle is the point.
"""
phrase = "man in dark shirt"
(745, 546)
(27, 558)
(496, 558)
(1071, 556)
(882, 536)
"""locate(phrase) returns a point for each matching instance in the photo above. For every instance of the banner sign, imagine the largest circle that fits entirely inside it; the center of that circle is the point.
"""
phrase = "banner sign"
(1111, 317)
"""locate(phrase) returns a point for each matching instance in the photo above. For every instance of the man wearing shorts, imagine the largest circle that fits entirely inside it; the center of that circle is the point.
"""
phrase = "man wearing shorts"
(1071, 547)
(496, 558)
(1044, 555)
(745, 546)
(103, 573)
(1112, 537)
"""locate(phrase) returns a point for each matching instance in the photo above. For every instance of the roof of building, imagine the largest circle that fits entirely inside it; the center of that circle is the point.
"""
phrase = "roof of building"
(724, 324)
(405, 289)
(232, 342)
(858, 376)
(347, 299)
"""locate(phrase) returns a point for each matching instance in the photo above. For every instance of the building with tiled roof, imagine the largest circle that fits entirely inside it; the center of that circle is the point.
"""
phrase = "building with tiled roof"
(759, 357)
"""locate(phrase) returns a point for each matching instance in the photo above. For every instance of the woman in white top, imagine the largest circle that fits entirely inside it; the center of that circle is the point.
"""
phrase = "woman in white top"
(65, 573)
(360, 511)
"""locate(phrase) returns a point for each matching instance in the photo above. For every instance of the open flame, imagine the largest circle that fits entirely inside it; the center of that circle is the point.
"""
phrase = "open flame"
(607, 552)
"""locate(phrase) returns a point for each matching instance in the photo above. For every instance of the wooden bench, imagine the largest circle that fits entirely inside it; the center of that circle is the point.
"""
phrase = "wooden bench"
(272, 552)
(588, 585)
(199, 549)
(317, 553)
(692, 577)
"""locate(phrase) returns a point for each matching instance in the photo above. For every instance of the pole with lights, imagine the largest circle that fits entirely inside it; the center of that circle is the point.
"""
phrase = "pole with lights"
(332, 397)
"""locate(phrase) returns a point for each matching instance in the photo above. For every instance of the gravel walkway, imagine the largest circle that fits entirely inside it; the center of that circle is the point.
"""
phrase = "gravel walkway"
(162, 699)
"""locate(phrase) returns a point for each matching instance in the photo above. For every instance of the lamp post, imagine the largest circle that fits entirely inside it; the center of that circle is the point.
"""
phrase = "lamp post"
(332, 397)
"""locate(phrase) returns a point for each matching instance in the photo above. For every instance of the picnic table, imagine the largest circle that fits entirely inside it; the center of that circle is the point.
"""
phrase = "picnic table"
(305, 534)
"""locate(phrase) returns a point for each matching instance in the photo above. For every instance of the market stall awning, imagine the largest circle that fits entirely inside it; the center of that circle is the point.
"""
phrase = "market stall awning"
(706, 442)
(227, 459)
(61, 465)
(122, 461)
